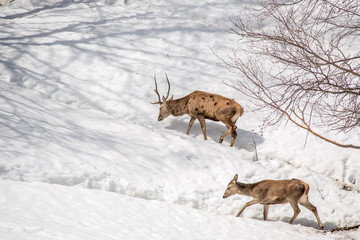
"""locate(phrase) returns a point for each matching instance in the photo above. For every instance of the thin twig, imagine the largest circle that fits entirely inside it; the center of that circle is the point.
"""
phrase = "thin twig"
(255, 149)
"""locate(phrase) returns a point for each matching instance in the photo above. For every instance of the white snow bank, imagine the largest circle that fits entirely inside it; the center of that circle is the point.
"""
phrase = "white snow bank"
(56, 143)
(44, 211)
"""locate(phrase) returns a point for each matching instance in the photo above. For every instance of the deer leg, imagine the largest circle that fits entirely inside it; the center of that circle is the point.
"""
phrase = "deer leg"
(266, 210)
(233, 136)
(252, 202)
(192, 120)
(225, 134)
(297, 210)
(312, 208)
(203, 125)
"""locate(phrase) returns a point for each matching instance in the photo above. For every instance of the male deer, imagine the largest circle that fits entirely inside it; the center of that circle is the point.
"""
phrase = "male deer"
(269, 192)
(201, 105)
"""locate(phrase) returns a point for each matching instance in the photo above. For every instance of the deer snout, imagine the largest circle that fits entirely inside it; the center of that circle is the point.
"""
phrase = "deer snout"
(160, 118)
(225, 196)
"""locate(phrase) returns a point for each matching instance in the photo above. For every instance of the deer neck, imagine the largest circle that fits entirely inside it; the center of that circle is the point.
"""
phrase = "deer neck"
(244, 189)
(178, 107)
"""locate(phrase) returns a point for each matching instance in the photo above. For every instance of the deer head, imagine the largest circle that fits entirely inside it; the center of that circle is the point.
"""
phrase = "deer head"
(231, 187)
(165, 110)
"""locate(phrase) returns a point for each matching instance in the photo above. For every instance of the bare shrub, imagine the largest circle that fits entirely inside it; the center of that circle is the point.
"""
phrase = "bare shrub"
(300, 61)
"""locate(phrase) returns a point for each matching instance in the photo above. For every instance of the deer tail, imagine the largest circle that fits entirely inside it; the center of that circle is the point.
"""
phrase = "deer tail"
(238, 113)
(305, 189)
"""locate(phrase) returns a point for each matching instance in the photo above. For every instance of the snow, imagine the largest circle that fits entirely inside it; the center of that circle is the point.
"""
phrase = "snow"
(103, 215)
(82, 153)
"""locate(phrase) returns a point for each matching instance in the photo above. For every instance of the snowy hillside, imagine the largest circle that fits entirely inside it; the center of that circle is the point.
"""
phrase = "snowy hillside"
(82, 155)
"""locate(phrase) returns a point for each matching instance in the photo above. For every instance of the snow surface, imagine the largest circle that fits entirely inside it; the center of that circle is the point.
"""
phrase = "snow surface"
(82, 153)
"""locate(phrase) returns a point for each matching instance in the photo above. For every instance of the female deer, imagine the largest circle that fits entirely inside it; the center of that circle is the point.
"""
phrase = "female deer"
(269, 192)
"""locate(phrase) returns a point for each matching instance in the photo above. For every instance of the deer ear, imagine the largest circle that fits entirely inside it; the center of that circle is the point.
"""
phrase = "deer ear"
(164, 99)
(235, 177)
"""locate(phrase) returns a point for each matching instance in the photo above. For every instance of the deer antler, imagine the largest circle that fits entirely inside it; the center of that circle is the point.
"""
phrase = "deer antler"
(156, 91)
(167, 79)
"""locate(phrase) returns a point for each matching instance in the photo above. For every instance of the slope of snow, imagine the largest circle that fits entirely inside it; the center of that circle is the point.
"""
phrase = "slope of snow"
(46, 211)
(76, 82)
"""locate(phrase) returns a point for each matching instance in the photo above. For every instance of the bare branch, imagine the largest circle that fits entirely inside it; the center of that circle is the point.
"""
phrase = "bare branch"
(301, 63)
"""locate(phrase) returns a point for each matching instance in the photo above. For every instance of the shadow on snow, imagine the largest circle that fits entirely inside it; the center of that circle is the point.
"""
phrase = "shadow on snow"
(214, 130)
